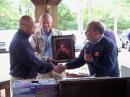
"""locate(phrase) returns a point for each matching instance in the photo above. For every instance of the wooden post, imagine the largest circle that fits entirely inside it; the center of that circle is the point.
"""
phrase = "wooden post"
(50, 6)
(0, 94)
(53, 11)
(39, 9)
(5, 85)
(7, 92)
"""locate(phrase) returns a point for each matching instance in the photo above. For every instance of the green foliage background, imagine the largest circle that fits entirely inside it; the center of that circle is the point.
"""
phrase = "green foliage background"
(67, 19)
(10, 12)
(99, 11)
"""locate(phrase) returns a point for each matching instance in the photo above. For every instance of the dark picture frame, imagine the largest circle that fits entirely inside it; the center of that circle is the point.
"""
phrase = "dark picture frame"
(63, 48)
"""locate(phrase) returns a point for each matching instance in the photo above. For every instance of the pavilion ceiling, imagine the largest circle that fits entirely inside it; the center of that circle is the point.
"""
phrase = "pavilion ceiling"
(48, 2)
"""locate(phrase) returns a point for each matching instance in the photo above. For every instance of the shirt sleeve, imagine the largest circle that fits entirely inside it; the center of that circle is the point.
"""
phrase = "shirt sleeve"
(78, 62)
(28, 58)
(35, 46)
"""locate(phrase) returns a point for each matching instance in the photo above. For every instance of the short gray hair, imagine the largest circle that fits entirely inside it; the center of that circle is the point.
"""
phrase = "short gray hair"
(45, 15)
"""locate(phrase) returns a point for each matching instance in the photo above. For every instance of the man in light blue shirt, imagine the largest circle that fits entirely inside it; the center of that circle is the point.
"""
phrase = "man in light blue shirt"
(41, 42)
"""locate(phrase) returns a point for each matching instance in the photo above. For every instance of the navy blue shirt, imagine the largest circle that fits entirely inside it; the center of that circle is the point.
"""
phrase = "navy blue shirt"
(110, 34)
(23, 62)
(104, 62)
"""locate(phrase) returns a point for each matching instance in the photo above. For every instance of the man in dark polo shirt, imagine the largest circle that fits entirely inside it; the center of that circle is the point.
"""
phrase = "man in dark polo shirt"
(24, 64)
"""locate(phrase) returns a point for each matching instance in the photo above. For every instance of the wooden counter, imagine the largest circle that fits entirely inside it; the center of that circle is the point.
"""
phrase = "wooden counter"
(95, 87)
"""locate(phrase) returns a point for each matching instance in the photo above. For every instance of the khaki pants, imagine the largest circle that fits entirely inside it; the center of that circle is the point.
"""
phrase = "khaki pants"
(12, 82)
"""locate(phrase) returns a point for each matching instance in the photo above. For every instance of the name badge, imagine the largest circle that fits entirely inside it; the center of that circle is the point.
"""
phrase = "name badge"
(96, 54)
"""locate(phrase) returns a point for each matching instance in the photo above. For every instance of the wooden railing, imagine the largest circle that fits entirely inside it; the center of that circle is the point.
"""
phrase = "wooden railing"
(5, 88)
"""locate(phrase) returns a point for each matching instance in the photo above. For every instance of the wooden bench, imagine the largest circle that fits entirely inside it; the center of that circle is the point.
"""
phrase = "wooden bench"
(5, 85)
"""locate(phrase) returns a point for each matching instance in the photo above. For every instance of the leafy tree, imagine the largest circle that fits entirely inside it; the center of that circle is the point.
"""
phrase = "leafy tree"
(6, 13)
(66, 19)
(107, 11)
(9, 12)
(26, 7)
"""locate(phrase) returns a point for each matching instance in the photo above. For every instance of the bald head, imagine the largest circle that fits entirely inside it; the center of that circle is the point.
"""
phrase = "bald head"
(25, 20)
(26, 24)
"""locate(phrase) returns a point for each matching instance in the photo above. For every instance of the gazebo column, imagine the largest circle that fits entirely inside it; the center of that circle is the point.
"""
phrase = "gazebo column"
(53, 11)
(39, 9)
(50, 6)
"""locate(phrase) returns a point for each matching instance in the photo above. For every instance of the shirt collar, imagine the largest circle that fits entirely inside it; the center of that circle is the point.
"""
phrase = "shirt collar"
(46, 33)
(98, 40)
(23, 33)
